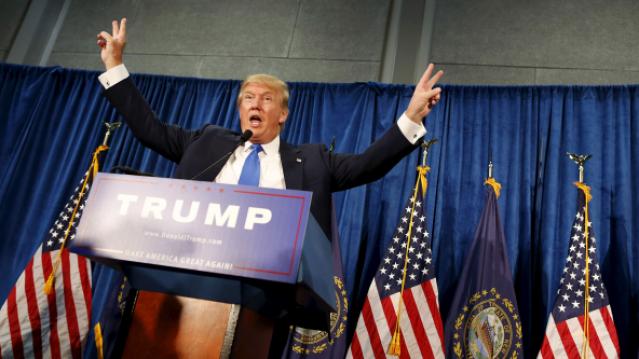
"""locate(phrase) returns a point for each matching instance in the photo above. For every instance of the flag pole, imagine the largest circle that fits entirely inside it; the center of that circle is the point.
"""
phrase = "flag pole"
(580, 160)
(91, 172)
(425, 147)
(490, 169)
(394, 347)
(491, 180)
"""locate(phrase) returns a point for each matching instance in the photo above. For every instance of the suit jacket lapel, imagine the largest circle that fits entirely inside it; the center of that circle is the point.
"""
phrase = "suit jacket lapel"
(292, 162)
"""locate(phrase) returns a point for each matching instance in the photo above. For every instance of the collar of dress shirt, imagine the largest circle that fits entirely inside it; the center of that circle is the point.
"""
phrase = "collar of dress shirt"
(270, 148)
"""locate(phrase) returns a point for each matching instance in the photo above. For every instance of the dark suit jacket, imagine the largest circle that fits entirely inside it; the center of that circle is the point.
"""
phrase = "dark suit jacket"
(308, 167)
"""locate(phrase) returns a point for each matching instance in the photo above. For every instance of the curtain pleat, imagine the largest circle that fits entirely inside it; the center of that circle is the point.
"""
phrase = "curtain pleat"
(51, 119)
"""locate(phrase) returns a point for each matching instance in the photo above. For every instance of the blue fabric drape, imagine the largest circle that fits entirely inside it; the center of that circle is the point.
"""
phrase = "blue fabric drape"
(51, 120)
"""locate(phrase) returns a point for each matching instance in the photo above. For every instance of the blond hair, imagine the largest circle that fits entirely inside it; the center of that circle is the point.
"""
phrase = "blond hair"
(272, 82)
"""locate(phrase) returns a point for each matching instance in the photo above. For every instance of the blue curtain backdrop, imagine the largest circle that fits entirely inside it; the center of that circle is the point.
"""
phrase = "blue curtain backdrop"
(51, 121)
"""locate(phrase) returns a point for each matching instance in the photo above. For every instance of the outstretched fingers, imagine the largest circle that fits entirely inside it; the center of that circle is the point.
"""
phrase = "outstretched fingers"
(424, 80)
(115, 28)
(118, 29)
(112, 44)
(434, 79)
(122, 30)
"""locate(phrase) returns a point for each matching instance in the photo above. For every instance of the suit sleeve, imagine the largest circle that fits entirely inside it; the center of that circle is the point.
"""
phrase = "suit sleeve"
(168, 140)
(349, 170)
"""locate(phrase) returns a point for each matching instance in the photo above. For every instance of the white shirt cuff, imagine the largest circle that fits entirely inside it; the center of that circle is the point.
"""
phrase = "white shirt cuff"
(113, 76)
(411, 130)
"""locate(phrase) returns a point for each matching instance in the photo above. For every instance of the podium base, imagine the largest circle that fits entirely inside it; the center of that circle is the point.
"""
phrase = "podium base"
(253, 335)
(168, 326)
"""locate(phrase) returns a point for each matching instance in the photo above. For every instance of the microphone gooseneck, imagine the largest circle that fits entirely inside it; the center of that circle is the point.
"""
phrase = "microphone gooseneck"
(243, 138)
(129, 171)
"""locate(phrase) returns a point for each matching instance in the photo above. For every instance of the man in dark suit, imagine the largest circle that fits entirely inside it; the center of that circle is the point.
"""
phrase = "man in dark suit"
(263, 109)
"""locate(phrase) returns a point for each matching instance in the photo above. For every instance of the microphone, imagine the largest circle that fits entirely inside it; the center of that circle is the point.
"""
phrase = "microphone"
(243, 138)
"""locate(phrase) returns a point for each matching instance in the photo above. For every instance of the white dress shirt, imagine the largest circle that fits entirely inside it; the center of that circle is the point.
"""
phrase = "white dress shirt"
(271, 171)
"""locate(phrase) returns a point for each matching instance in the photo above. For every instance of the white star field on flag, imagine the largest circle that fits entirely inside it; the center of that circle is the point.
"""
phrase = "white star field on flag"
(572, 291)
(58, 230)
(419, 269)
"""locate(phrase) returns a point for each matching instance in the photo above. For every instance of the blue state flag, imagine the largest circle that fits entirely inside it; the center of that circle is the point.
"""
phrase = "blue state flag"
(483, 321)
(111, 313)
(308, 343)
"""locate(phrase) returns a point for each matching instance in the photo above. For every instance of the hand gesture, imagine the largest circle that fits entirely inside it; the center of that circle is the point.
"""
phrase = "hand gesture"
(425, 96)
(112, 45)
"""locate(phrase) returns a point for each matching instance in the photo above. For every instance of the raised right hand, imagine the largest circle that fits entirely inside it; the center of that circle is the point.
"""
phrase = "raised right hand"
(112, 45)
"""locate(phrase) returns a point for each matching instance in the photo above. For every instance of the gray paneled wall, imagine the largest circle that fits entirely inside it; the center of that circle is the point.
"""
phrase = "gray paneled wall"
(537, 42)
(298, 40)
(11, 15)
(475, 42)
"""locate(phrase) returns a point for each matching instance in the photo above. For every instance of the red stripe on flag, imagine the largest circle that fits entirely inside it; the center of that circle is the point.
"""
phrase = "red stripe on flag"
(389, 313)
(371, 328)
(546, 350)
(86, 283)
(566, 338)
(431, 298)
(356, 348)
(593, 338)
(34, 311)
(391, 319)
(416, 323)
(14, 325)
(610, 325)
(54, 340)
(69, 304)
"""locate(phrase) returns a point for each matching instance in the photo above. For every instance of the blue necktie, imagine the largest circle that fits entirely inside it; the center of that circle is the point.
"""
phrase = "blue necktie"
(250, 175)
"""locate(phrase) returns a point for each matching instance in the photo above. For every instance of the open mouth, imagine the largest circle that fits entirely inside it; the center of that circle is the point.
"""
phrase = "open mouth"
(255, 120)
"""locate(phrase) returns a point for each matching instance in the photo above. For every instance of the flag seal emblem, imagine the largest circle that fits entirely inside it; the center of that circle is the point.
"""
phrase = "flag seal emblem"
(308, 341)
(486, 327)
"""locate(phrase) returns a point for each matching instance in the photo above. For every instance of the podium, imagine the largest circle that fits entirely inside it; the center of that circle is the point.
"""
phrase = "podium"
(198, 242)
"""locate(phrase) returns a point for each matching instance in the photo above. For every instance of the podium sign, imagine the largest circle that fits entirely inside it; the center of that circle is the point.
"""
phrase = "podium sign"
(209, 227)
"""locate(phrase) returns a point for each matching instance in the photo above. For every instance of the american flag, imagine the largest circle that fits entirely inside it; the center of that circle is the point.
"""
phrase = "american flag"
(420, 323)
(34, 324)
(565, 329)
